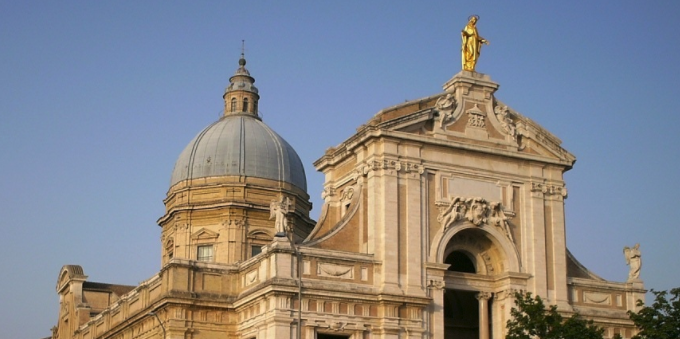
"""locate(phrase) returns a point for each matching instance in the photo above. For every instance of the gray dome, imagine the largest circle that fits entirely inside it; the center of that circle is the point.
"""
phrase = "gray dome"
(240, 144)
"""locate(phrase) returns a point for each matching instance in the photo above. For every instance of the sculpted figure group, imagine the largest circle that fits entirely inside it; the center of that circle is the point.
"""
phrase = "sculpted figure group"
(477, 211)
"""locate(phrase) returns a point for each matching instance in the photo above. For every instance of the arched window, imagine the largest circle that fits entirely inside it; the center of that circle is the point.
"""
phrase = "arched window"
(255, 106)
(245, 104)
(460, 262)
(233, 104)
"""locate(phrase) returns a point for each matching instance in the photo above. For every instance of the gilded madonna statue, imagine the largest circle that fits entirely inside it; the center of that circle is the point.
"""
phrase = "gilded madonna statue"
(472, 44)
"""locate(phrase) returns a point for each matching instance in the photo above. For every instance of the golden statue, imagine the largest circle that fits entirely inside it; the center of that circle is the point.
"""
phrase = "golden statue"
(472, 44)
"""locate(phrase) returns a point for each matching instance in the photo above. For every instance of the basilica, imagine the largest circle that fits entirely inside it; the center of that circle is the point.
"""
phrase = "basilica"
(436, 211)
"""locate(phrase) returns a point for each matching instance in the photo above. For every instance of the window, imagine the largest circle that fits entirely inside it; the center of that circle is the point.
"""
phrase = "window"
(345, 207)
(460, 262)
(205, 253)
(233, 104)
(255, 250)
(255, 107)
(245, 104)
(170, 248)
(256, 242)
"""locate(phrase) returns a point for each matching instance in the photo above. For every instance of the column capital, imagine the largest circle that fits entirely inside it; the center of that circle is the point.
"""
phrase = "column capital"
(436, 284)
(483, 296)
(508, 293)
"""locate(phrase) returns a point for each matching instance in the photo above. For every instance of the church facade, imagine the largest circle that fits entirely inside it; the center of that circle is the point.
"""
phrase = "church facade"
(435, 212)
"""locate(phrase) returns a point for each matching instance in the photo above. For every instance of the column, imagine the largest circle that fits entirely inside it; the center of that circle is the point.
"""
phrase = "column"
(483, 298)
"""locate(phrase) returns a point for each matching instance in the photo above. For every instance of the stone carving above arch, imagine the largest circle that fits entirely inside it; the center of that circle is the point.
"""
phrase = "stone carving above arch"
(478, 211)
(509, 256)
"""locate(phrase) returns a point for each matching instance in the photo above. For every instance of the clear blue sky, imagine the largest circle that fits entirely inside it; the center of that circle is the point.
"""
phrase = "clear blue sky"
(97, 99)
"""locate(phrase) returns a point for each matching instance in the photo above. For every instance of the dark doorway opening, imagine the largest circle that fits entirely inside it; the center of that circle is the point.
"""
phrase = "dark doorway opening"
(461, 315)
(331, 336)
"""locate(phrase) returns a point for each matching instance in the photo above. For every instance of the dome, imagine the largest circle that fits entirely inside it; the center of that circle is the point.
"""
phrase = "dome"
(240, 144)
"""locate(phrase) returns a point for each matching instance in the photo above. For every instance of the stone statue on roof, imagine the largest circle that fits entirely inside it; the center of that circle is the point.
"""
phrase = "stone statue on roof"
(278, 211)
(634, 260)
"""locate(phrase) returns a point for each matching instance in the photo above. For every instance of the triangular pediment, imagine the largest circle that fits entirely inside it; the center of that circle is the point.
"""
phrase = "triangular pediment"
(468, 112)
(466, 115)
(204, 234)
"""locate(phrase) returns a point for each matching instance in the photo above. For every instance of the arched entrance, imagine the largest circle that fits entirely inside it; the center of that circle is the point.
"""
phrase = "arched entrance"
(474, 257)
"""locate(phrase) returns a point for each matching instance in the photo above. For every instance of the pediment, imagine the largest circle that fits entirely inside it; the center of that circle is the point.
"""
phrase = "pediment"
(466, 115)
(204, 234)
(468, 112)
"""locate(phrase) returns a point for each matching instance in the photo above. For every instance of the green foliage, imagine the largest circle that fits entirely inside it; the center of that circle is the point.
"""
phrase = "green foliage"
(662, 319)
(531, 320)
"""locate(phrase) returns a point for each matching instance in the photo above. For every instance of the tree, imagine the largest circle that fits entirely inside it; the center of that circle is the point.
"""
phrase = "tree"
(531, 320)
(662, 319)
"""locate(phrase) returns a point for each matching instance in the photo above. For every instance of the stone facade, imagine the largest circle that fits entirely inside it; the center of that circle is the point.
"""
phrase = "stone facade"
(434, 213)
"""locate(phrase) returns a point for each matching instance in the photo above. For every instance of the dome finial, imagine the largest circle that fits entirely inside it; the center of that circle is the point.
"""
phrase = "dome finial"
(241, 96)
(242, 61)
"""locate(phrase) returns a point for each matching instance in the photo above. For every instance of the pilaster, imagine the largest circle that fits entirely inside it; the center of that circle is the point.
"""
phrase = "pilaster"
(534, 239)
(558, 256)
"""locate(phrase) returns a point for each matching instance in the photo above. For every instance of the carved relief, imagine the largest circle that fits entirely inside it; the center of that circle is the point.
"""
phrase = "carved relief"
(403, 166)
(436, 284)
(327, 192)
(549, 189)
(487, 262)
(238, 223)
(497, 218)
(596, 298)
(477, 211)
(445, 106)
(476, 118)
(335, 271)
(504, 117)
(509, 293)
(251, 277)
(337, 326)
(454, 212)
(347, 194)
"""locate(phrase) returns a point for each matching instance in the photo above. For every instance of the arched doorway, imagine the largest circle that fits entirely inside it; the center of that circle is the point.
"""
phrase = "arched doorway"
(472, 257)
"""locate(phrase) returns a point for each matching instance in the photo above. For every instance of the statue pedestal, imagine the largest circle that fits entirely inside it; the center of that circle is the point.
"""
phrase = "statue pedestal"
(467, 80)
